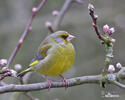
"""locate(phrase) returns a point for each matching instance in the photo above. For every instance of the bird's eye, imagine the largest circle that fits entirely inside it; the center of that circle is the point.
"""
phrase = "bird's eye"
(64, 36)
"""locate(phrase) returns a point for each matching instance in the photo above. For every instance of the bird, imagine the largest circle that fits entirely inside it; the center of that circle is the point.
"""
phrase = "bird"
(54, 56)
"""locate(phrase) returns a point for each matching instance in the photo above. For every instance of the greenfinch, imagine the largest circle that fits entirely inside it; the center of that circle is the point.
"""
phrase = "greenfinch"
(55, 56)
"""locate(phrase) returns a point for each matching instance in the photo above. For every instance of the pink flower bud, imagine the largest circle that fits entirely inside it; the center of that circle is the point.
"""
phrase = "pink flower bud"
(113, 40)
(13, 72)
(30, 28)
(111, 30)
(106, 28)
(118, 65)
(96, 16)
(91, 7)
(55, 13)
(20, 41)
(111, 69)
(48, 24)
(3, 62)
(93, 24)
(34, 9)
(5, 69)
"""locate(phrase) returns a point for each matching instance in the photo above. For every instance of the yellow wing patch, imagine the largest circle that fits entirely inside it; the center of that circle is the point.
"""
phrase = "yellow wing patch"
(34, 63)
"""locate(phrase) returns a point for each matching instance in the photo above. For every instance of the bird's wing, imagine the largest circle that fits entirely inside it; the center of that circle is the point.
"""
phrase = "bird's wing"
(35, 59)
(41, 54)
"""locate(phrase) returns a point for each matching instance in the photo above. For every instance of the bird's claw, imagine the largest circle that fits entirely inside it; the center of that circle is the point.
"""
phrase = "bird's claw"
(66, 83)
(49, 83)
(64, 80)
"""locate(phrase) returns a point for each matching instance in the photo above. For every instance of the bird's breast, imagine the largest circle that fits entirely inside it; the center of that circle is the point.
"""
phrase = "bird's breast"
(60, 58)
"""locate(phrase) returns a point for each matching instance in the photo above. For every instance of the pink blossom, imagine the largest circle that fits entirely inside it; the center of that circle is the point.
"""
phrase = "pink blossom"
(55, 13)
(91, 7)
(118, 65)
(3, 62)
(106, 28)
(48, 24)
(111, 30)
(34, 9)
(111, 69)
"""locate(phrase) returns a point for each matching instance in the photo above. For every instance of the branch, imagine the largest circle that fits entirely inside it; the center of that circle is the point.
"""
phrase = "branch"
(26, 31)
(93, 79)
(61, 14)
(44, 85)
(118, 84)
(2, 83)
(94, 19)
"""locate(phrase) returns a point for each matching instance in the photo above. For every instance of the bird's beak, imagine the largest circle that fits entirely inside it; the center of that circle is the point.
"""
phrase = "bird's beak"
(70, 37)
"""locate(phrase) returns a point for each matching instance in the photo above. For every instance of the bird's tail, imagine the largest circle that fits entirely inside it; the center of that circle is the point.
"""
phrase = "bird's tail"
(21, 74)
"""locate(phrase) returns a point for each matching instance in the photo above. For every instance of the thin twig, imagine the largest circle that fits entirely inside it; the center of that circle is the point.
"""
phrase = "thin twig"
(94, 19)
(5, 75)
(62, 12)
(26, 31)
(27, 93)
(118, 84)
(30, 96)
(54, 26)
(79, 1)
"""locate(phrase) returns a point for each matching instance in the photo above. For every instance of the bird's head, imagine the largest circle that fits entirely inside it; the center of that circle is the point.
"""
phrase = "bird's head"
(62, 36)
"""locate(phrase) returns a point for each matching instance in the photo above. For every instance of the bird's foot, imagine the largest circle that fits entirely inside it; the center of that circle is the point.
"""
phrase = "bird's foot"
(49, 83)
(64, 80)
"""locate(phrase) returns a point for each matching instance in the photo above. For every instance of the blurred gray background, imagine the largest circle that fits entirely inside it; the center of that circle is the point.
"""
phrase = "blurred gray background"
(90, 54)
